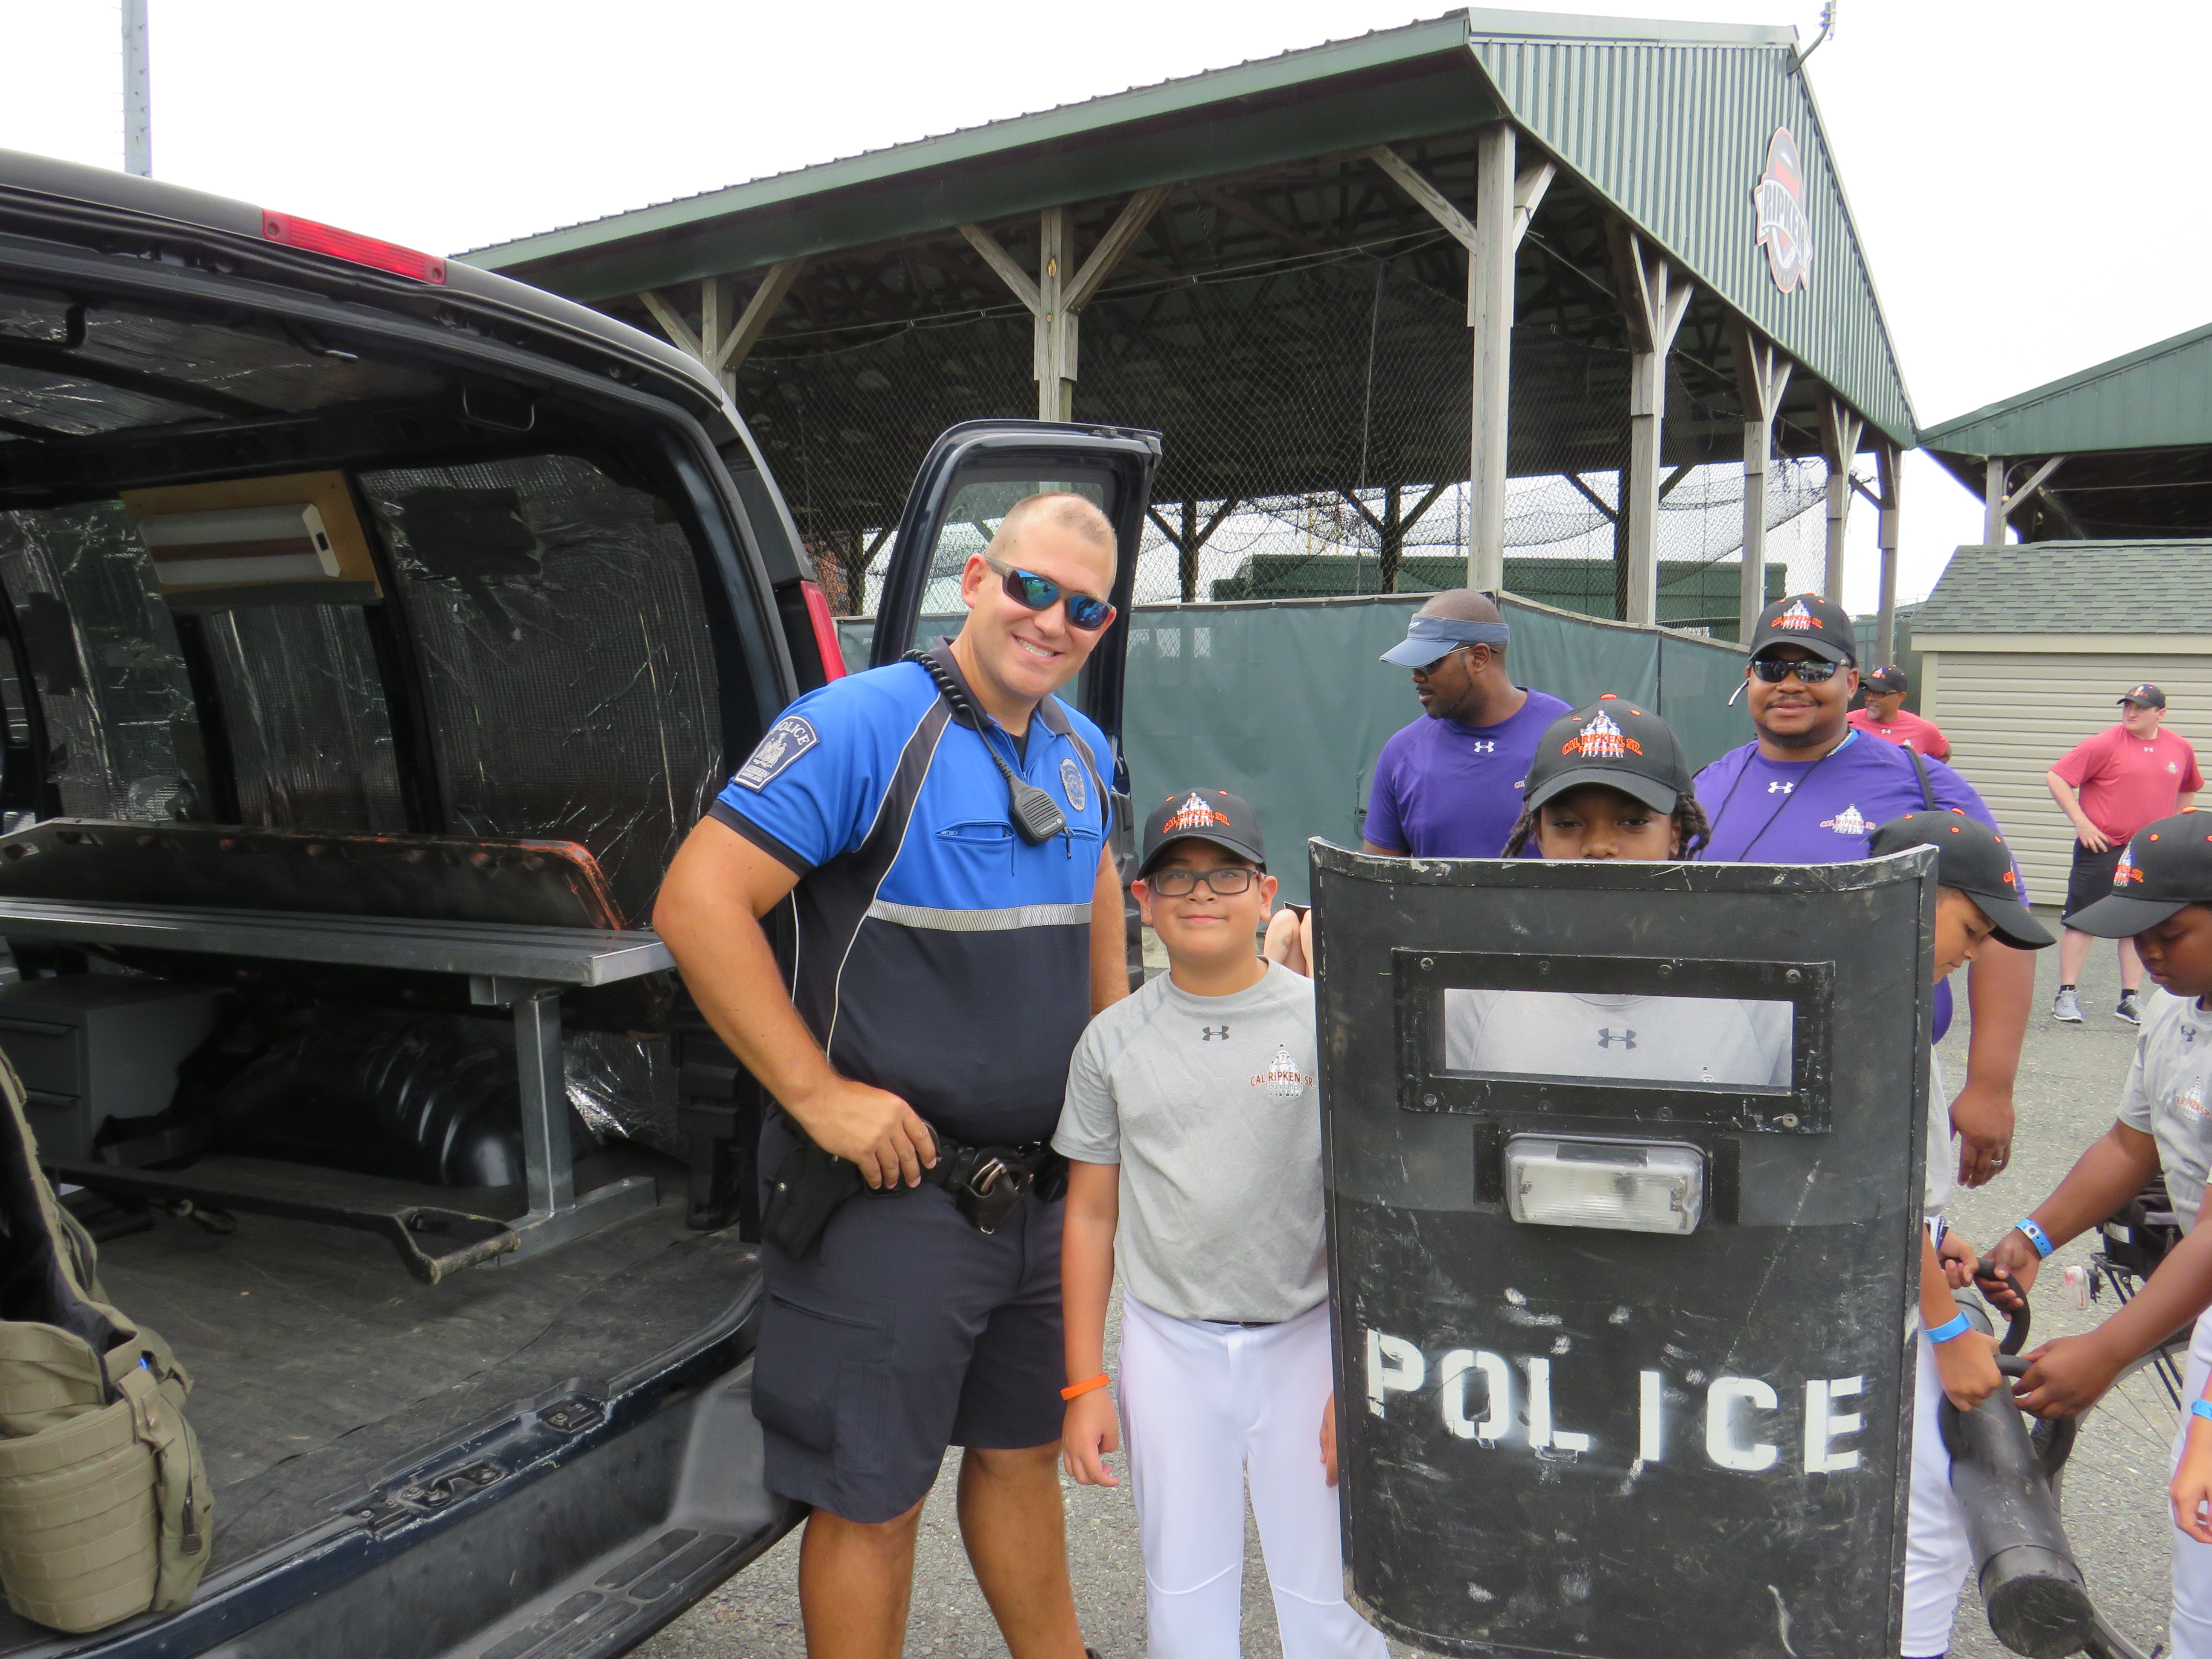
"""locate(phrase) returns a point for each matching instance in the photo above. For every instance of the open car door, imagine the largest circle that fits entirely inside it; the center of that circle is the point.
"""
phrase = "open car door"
(974, 474)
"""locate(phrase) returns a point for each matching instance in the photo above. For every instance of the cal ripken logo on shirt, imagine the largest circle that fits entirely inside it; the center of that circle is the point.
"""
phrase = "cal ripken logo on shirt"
(1282, 1080)
(1849, 821)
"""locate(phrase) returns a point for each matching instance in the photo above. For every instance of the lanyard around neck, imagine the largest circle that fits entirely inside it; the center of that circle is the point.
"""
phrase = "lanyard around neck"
(1745, 854)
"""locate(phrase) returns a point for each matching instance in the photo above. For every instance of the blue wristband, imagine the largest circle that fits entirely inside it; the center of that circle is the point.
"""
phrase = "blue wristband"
(1957, 1326)
(2025, 1228)
(2200, 1408)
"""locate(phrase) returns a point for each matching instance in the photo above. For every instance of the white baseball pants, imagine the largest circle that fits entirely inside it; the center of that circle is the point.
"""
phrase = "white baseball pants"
(1204, 1408)
(1937, 1557)
(2192, 1561)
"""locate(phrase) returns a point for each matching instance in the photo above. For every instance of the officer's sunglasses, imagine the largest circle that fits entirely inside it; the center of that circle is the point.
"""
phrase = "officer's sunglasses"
(1227, 880)
(1033, 593)
(1812, 671)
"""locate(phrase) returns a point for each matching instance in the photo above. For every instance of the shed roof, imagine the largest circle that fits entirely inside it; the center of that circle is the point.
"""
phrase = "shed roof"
(2157, 398)
(2070, 588)
(1668, 121)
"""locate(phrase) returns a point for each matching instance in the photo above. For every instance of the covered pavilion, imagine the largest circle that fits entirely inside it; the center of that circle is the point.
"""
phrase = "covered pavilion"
(1548, 295)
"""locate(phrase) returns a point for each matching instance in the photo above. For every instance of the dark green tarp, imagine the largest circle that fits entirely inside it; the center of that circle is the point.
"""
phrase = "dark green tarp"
(1284, 703)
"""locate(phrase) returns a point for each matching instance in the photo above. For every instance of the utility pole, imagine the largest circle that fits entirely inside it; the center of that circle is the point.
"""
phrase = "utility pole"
(137, 98)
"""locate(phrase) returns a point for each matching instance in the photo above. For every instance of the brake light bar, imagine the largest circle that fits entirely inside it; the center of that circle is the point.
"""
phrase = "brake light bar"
(352, 246)
(825, 630)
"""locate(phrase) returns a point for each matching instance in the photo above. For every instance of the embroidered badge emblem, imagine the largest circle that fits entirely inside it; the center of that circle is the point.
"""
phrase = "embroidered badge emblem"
(787, 740)
(1601, 740)
(1797, 616)
(1849, 821)
(1195, 813)
(1070, 782)
(2125, 872)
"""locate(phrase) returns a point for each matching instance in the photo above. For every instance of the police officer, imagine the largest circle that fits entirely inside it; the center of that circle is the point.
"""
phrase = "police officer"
(941, 966)
(1811, 789)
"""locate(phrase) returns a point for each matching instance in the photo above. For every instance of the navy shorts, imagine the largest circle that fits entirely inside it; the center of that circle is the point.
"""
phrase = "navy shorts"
(2091, 877)
(905, 1332)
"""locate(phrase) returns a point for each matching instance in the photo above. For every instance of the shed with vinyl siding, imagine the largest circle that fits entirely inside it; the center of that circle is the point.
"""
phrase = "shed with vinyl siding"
(2024, 650)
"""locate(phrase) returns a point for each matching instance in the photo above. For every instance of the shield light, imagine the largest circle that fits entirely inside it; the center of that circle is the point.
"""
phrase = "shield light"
(1636, 1187)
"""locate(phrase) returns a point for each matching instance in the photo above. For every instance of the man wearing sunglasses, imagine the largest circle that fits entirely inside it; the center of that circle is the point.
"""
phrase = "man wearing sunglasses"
(1811, 789)
(936, 837)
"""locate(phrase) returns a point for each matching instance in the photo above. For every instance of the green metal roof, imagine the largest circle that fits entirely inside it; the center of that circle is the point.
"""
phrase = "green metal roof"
(1672, 125)
(1668, 121)
(2158, 397)
(2071, 588)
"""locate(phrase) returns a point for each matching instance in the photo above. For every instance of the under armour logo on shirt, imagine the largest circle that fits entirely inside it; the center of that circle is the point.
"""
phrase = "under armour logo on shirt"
(1607, 1037)
(1207, 1033)
(1780, 788)
(1484, 746)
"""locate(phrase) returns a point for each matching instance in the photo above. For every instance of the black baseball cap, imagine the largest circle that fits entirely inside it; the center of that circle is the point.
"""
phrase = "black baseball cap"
(1886, 682)
(2146, 694)
(1807, 619)
(1214, 815)
(1974, 859)
(1612, 743)
(2166, 868)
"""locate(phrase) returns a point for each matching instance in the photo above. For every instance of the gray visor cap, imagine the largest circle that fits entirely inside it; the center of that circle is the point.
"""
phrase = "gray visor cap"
(1431, 639)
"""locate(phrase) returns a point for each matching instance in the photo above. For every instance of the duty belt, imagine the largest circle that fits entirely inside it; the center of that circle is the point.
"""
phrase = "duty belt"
(988, 1182)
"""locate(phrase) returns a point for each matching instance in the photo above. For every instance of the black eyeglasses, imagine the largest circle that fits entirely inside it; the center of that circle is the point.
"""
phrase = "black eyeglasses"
(1033, 593)
(1813, 671)
(1230, 879)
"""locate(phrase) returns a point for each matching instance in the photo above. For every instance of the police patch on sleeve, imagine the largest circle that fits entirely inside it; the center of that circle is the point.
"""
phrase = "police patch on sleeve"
(787, 740)
(1070, 780)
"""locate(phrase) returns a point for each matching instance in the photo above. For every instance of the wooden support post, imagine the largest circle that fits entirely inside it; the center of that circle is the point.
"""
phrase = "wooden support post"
(1762, 376)
(1889, 464)
(1490, 314)
(1505, 201)
(1998, 506)
(1654, 297)
(1058, 295)
(1841, 428)
(724, 348)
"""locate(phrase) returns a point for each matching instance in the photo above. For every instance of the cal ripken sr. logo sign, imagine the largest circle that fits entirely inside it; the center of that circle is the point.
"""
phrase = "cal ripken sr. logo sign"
(1785, 230)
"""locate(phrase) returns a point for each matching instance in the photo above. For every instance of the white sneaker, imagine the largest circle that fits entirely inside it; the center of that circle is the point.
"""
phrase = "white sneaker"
(2130, 1010)
(2066, 1006)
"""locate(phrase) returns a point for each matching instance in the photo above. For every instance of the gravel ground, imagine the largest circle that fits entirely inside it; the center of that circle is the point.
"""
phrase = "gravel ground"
(2070, 1081)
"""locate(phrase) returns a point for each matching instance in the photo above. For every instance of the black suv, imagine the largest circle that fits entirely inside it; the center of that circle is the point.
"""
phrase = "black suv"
(372, 630)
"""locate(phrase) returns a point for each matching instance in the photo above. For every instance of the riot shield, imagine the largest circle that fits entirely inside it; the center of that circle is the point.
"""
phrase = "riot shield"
(1624, 1185)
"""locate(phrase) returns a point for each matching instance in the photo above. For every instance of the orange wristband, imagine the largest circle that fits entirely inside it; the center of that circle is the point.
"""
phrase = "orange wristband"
(1074, 1389)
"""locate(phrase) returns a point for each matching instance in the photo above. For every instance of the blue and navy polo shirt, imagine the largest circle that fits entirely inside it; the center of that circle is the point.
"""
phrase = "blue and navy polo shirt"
(935, 953)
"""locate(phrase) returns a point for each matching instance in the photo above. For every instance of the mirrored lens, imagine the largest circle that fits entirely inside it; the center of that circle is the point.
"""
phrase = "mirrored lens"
(1180, 883)
(1812, 673)
(1035, 592)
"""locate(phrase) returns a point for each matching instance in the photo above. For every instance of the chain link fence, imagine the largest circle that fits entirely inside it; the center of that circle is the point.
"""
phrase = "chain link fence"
(1335, 462)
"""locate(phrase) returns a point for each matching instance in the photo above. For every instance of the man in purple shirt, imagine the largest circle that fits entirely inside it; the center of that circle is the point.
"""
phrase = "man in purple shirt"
(1449, 786)
(1812, 790)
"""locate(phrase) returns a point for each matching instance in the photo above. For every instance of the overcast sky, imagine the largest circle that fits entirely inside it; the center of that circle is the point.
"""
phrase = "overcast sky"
(2024, 174)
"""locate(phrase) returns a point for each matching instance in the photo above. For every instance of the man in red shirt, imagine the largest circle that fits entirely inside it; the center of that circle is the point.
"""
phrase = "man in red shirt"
(1885, 716)
(2111, 786)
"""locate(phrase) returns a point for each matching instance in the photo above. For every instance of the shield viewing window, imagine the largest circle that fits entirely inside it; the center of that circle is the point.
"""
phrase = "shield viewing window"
(1615, 1040)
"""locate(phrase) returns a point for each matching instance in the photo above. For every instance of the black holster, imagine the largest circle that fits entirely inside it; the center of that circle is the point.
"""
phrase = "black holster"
(987, 1184)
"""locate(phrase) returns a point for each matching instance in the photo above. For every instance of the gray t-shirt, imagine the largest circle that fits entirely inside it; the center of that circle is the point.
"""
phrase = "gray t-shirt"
(1209, 1105)
(2169, 1095)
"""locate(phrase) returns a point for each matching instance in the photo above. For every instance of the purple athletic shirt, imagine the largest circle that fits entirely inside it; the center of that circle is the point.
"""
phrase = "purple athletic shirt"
(1823, 812)
(1447, 791)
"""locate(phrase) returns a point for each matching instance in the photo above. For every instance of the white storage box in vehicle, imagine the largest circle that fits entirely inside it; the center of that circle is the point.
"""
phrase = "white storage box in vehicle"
(90, 1047)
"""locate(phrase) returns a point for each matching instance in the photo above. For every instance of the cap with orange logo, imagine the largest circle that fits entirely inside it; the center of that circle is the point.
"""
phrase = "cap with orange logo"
(1974, 859)
(1214, 815)
(2166, 868)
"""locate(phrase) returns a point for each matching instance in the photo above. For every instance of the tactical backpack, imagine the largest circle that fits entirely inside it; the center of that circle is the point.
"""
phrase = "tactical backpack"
(104, 1501)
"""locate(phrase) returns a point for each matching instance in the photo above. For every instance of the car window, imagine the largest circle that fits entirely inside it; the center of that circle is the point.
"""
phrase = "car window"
(122, 733)
(570, 683)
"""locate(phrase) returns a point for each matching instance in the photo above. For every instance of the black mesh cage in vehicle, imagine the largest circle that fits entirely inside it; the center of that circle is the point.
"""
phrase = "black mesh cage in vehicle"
(564, 654)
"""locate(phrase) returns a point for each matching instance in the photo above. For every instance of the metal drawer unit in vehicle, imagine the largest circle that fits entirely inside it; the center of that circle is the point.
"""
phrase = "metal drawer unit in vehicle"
(90, 1047)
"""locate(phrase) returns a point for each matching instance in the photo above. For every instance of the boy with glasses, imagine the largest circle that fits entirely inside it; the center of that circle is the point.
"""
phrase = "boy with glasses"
(1193, 1133)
